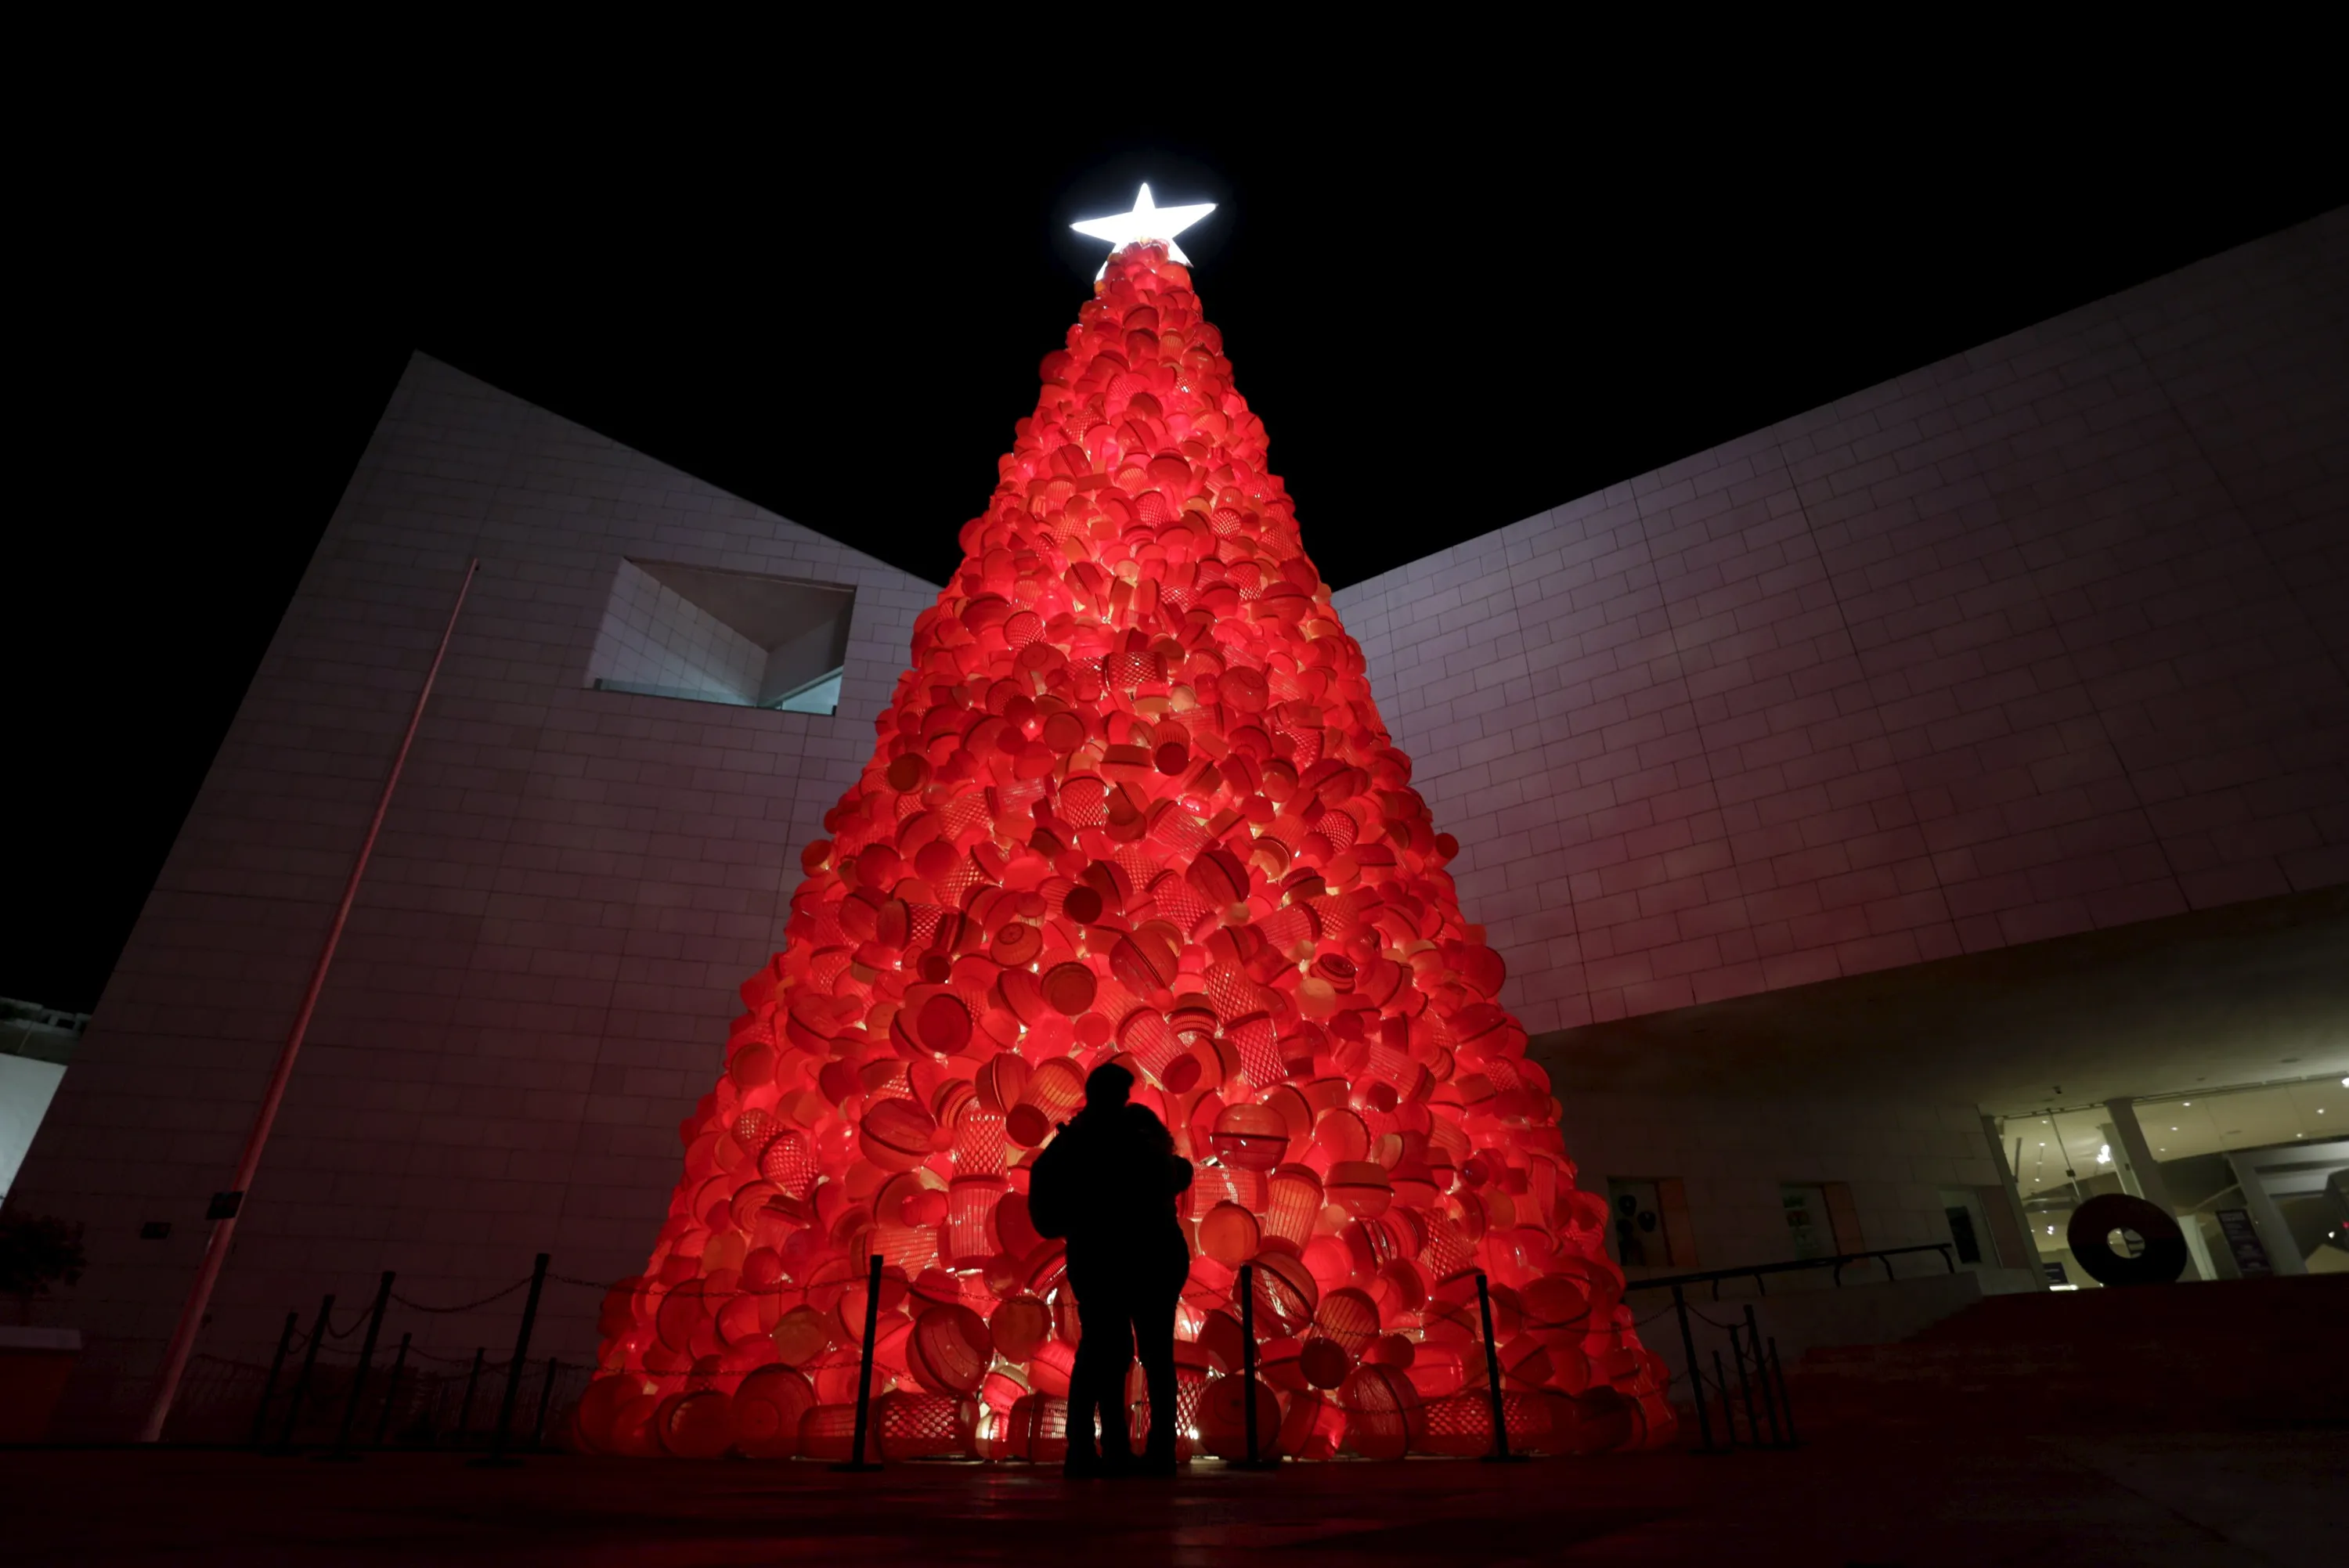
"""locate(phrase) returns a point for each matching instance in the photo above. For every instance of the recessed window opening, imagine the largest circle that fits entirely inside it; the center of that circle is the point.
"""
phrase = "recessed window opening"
(707, 635)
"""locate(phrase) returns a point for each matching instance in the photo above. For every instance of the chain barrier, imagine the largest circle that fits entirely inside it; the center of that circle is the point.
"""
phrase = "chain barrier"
(1208, 1297)
(417, 1351)
(466, 1306)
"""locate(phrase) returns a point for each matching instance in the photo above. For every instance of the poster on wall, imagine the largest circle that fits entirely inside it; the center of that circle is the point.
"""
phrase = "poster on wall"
(1807, 1223)
(1639, 1241)
(2243, 1244)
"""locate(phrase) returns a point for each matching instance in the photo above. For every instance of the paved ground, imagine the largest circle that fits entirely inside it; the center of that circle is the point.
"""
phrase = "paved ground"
(2157, 1501)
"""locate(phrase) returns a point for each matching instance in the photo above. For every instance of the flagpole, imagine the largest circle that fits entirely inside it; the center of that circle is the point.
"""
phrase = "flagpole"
(226, 1205)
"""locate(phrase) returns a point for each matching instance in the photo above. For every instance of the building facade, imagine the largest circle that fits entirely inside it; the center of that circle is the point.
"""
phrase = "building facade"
(1979, 742)
(1840, 798)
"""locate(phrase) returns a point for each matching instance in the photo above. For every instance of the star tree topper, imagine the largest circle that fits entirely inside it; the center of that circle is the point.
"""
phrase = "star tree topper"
(1146, 222)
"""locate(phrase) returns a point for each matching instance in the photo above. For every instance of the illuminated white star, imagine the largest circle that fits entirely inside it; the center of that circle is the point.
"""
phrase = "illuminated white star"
(1144, 222)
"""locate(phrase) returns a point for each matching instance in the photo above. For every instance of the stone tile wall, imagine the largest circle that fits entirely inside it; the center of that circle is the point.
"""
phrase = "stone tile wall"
(1732, 1154)
(2046, 636)
(537, 978)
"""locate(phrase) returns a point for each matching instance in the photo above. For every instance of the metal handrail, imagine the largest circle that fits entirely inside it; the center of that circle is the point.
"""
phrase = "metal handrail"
(1714, 1276)
(1750, 1347)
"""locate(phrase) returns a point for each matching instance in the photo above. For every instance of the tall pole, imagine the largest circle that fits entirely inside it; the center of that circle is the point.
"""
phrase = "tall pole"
(226, 1205)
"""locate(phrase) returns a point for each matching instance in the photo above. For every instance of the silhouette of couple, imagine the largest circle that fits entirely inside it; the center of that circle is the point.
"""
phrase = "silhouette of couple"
(1108, 1184)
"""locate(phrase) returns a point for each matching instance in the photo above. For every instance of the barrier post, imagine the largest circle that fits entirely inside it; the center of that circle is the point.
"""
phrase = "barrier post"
(1762, 1375)
(472, 1381)
(302, 1379)
(1695, 1377)
(341, 1451)
(1255, 1460)
(391, 1391)
(545, 1397)
(1784, 1403)
(1744, 1388)
(1248, 1354)
(497, 1457)
(856, 1459)
(1500, 1454)
(1728, 1410)
(269, 1386)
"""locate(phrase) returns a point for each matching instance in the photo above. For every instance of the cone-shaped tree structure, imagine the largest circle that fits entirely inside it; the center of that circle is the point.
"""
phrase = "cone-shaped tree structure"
(1134, 798)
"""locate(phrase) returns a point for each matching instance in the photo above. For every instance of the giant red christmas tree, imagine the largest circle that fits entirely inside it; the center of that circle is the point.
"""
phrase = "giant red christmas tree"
(1133, 800)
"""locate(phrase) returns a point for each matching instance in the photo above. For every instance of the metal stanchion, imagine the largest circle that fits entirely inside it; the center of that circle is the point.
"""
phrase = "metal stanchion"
(269, 1386)
(1728, 1410)
(545, 1397)
(856, 1459)
(1785, 1403)
(302, 1379)
(1248, 1354)
(472, 1381)
(391, 1391)
(1762, 1375)
(341, 1451)
(497, 1457)
(1256, 1458)
(1744, 1388)
(1695, 1377)
(1500, 1454)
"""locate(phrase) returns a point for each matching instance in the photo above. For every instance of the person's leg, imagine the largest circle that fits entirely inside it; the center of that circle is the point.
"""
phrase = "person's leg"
(1093, 1307)
(1104, 1358)
(1114, 1369)
(1153, 1339)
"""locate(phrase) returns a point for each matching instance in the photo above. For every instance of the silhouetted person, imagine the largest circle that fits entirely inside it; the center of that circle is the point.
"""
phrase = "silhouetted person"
(1108, 1183)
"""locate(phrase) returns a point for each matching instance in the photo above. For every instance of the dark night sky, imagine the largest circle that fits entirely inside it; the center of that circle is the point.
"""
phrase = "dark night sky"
(1447, 321)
